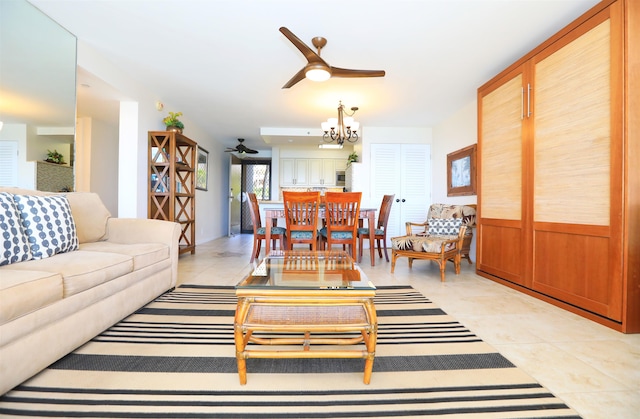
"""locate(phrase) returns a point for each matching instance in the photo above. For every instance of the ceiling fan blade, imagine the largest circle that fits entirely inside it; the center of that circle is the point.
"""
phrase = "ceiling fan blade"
(244, 149)
(345, 72)
(308, 53)
(300, 75)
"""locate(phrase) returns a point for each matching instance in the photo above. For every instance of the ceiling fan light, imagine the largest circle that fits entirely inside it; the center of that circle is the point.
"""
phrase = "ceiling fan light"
(317, 72)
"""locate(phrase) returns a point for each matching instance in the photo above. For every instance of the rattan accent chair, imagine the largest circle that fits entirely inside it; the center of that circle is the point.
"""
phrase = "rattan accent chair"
(277, 233)
(301, 215)
(342, 212)
(439, 248)
(380, 236)
(439, 212)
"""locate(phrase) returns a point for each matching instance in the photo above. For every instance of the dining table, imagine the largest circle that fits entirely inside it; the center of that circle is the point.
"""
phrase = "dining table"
(274, 213)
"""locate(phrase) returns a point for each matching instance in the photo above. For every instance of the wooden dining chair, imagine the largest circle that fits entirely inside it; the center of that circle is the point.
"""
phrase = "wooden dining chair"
(380, 236)
(342, 212)
(277, 233)
(301, 215)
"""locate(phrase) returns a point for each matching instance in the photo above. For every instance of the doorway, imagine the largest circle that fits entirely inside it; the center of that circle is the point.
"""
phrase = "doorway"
(256, 178)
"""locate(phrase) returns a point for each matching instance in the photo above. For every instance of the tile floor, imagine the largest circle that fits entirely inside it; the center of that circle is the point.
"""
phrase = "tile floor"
(594, 369)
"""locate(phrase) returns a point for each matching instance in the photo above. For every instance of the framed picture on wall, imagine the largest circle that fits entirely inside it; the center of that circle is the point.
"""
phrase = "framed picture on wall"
(461, 171)
(202, 169)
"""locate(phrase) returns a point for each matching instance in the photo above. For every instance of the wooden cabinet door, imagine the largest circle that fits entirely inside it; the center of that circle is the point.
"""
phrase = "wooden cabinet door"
(577, 195)
(501, 235)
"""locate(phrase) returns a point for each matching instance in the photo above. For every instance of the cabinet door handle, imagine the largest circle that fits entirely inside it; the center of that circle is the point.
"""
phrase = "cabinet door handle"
(528, 100)
(403, 200)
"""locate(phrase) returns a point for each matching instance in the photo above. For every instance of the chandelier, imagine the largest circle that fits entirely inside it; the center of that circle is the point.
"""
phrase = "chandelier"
(342, 128)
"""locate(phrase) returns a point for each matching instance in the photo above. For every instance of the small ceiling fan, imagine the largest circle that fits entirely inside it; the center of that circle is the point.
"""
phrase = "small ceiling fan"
(241, 148)
(317, 69)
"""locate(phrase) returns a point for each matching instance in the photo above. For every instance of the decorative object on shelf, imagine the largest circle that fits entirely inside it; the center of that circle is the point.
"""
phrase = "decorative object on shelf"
(173, 123)
(202, 169)
(317, 69)
(341, 128)
(54, 157)
(461, 172)
(353, 158)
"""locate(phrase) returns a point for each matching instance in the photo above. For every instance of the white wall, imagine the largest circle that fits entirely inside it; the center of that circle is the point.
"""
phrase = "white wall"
(458, 131)
(125, 140)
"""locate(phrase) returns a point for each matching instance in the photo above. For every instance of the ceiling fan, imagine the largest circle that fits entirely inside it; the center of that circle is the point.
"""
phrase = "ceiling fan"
(316, 66)
(241, 148)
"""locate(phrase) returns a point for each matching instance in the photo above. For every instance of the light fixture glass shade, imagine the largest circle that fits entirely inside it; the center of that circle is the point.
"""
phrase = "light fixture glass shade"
(355, 126)
(348, 121)
(317, 74)
(333, 122)
(325, 126)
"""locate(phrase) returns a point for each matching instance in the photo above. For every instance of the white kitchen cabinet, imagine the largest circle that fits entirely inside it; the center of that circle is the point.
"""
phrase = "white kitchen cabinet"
(294, 172)
(309, 172)
(322, 172)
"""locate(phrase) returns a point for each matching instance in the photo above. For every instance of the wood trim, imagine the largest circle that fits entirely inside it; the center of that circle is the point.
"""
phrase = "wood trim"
(561, 304)
(631, 180)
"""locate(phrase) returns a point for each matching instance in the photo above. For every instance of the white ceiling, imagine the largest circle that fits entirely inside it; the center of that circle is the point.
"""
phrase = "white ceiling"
(223, 62)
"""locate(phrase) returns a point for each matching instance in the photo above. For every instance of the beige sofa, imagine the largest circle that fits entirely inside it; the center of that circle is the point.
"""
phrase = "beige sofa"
(51, 306)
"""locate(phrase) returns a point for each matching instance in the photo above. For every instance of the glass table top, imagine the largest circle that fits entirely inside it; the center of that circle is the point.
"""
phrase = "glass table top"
(296, 269)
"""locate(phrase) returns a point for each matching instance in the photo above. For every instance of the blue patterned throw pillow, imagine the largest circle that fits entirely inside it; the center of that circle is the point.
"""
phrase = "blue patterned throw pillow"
(48, 224)
(444, 226)
(15, 247)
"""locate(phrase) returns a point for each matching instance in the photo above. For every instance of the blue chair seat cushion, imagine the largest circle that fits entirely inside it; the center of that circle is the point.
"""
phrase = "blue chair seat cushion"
(365, 231)
(337, 235)
(301, 235)
(274, 230)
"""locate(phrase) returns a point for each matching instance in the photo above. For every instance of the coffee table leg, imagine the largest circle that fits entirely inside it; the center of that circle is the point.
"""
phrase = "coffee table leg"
(240, 341)
(370, 340)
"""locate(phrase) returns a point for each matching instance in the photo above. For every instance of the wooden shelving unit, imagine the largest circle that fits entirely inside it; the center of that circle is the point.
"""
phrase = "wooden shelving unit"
(172, 195)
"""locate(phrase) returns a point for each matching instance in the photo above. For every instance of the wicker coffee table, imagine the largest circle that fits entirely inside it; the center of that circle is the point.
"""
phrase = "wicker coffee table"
(306, 298)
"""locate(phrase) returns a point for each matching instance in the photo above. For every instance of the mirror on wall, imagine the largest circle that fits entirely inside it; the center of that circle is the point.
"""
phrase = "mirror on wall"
(37, 93)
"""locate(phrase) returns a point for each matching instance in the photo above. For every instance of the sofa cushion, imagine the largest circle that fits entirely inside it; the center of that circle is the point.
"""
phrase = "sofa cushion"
(444, 226)
(48, 224)
(143, 254)
(81, 269)
(22, 292)
(90, 216)
(15, 247)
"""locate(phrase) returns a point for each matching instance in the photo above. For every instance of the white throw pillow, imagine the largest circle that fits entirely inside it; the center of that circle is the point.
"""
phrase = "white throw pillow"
(48, 224)
(444, 226)
(15, 247)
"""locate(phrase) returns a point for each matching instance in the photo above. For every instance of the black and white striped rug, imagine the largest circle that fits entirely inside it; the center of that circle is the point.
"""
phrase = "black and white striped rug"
(175, 358)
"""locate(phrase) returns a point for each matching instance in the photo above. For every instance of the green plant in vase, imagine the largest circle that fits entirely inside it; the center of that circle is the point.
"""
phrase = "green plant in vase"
(54, 157)
(173, 123)
(353, 158)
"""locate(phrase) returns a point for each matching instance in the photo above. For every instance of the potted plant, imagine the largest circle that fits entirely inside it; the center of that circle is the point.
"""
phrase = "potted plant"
(173, 123)
(353, 158)
(54, 157)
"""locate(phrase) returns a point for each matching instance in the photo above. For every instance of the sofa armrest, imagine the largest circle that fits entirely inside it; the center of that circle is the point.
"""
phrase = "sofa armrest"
(142, 230)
